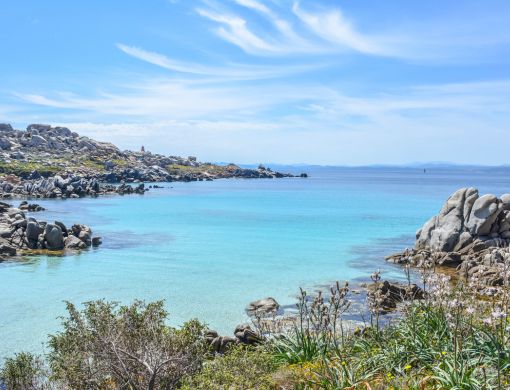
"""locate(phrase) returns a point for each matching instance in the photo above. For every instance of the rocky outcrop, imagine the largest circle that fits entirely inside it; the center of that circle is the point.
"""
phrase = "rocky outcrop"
(20, 234)
(65, 186)
(243, 333)
(46, 161)
(384, 296)
(467, 217)
(470, 232)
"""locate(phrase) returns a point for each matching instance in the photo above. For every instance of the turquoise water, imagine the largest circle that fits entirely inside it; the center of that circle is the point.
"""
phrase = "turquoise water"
(209, 248)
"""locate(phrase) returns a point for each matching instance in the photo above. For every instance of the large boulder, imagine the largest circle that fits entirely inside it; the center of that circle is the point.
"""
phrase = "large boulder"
(5, 144)
(38, 127)
(442, 232)
(53, 237)
(5, 127)
(483, 215)
(73, 242)
(33, 231)
(37, 140)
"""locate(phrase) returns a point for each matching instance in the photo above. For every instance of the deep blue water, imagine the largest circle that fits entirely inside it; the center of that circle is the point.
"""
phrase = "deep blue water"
(209, 248)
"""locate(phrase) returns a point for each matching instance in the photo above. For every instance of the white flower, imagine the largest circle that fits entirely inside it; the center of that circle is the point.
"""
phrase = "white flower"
(498, 313)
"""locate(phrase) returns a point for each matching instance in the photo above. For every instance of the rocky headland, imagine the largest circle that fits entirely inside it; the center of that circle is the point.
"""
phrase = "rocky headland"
(471, 233)
(55, 162)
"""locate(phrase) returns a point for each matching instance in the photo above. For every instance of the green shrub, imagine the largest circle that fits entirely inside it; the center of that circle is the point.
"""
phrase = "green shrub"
(112, 346)
(23, 371)
(239, 368)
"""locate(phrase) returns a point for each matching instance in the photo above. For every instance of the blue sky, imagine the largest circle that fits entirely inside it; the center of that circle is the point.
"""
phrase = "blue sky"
(348, 82)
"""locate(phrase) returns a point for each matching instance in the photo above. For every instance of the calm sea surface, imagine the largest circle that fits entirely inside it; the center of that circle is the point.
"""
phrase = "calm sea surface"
(209, 248)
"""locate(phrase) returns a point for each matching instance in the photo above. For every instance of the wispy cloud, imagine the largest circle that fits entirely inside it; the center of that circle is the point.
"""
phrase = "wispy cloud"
(328, 30)
(163, 61)
(226, 72)
(334, 27)
(234, 29)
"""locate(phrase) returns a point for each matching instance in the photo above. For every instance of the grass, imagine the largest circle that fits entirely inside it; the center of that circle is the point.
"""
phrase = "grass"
(23, 169)
(177, 169)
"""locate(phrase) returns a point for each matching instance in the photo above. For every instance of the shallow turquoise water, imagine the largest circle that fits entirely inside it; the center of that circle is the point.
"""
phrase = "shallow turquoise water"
(208, 248)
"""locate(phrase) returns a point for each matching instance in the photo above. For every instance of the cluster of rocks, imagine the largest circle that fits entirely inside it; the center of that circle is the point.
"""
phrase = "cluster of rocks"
(63, 186)
(19, 233)
(384, 296)
(244, 334)
(48, 161)
(471, 233)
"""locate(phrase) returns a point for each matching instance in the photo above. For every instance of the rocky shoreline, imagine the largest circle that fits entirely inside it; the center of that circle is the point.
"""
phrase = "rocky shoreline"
(471, 234)
(54, 162)
(22, 235)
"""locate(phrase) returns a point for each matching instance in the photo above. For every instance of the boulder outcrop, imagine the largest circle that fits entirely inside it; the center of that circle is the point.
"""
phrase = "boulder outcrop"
(20, 234)
(470, 232)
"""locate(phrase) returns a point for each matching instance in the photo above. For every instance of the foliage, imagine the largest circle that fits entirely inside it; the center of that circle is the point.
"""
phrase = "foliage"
(454, 339)
(24, 371)
(23, 168)
(124, 347)
(458, 337)
(240, 368)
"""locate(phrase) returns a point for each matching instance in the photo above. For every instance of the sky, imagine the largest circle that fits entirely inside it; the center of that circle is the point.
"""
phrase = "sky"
(332, 82)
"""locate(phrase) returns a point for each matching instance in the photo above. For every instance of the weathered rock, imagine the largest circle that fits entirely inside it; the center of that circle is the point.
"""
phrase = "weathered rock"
(246, 335)
(7, 250)
(73, 242)
(33, 231)
(219, 344)
(264, 306)
(483, 215)
(385, 295)
(53, 237)
(62, 227)
(37, 140)
(5, 144)
(5, 127)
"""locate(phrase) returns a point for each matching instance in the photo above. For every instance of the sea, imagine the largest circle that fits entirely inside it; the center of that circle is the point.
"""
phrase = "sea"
(209, 248)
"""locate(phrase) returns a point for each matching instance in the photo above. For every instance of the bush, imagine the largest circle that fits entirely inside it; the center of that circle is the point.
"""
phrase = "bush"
(240, 368)
(22, 372)
(112, 346)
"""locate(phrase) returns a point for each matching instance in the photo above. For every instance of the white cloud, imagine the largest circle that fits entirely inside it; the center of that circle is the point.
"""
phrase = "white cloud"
(257, 6)
(317, 122)
(227, 72)
(332, 26)
(236, 32)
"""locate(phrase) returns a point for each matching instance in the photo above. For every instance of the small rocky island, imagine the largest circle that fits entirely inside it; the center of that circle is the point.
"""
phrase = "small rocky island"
(471, 233)
(55, 162)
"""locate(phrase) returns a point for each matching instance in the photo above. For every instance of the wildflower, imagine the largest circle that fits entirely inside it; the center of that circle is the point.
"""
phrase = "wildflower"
(443, 353)
(498, 313)
(344, 363)
(407, 367)
(470, 310)
(487, 321)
